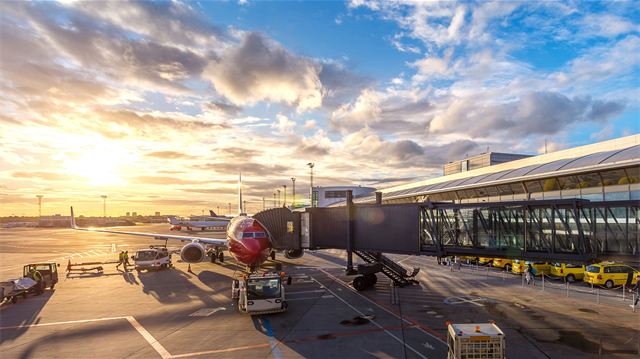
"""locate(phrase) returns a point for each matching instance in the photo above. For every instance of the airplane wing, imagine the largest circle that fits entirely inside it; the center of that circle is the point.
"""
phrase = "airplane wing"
(204, 240)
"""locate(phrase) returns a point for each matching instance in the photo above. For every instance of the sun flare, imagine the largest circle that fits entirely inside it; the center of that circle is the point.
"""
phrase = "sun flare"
(97, 166)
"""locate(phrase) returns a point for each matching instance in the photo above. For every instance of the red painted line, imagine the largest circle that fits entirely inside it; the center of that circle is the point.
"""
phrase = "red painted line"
(406, 258)
(410, 320)
(329, 336)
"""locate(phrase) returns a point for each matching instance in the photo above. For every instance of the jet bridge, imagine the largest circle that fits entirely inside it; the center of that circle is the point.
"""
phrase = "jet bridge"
(559, 230)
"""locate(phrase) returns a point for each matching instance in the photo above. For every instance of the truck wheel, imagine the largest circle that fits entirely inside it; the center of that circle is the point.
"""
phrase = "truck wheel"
(52, 285)
(571, 278)
(221, 257)
(24, 294)
(14, 299)
(360, 283)
(213, 258)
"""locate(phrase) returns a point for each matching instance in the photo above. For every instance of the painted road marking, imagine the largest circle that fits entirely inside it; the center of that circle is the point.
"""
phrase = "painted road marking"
(373, 321)
(322, 297)
(205, 312)
(272, 340)
(309, 291)
(145, 334)
(475, 301)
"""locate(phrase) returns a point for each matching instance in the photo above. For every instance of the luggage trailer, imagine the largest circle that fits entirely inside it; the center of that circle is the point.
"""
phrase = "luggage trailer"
(475, 341)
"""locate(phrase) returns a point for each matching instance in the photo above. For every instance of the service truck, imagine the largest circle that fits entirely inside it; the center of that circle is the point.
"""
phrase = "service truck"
(260, 293)
(156, 257)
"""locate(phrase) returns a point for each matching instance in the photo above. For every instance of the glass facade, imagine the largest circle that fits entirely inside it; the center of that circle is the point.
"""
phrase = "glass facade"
(606, 228)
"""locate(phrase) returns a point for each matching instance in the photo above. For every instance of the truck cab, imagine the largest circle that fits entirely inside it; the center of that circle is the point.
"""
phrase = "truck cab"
(260, 293)
(49, 273)
(156, 257)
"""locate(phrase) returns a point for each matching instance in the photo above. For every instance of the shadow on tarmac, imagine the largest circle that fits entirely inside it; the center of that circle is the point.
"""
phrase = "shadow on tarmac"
(24, 312)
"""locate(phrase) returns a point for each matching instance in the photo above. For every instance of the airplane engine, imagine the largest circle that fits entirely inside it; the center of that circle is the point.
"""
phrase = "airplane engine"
(293, 253)
(193, 253)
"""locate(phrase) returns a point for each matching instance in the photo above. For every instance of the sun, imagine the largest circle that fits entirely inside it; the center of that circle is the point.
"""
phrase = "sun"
(97, 166)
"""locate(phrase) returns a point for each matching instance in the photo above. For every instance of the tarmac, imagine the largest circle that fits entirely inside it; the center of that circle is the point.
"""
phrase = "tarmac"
(174, 313)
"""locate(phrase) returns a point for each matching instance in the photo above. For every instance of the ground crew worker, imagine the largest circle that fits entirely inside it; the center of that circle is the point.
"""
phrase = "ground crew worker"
(39, 282)
(121, 259)
(126, 259)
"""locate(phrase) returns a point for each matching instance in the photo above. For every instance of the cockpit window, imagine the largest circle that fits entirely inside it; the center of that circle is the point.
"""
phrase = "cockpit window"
(253, 234)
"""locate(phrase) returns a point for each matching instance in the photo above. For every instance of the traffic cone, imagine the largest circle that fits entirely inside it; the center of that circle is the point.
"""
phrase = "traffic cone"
(69, 266)
(189, 270)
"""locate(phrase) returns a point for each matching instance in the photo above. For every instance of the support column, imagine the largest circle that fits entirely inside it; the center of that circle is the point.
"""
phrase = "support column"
(378, 197)
(350, 270)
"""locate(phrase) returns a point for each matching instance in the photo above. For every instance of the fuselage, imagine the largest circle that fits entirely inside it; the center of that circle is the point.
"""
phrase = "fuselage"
(247, 241)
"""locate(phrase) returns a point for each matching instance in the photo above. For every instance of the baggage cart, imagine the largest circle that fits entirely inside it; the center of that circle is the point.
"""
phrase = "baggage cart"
(482, 341)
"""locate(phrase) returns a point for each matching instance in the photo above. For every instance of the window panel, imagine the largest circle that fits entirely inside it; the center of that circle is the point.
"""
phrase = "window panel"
(613, 177)
(504, 189)
(633, 175)
(597, 197)
(533, 186)
(491, 191)
(517, 188)
(588, 180)
(551, 184)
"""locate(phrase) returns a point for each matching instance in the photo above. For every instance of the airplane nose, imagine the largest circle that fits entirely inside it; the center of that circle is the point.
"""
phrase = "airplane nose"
(251, 245)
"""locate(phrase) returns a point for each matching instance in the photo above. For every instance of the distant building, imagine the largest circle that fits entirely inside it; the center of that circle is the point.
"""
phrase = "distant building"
(157, 214)
(128, 214)
(483, 160)
(134, 214)
(324, 196)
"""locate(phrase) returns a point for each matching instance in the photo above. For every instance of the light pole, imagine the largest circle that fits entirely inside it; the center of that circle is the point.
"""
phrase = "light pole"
(278, 198)
(218, 213)
(263, 203)
(244, 205)
(104, 209)
(284, 199)
(274, 200)
(229, 208)
(293, 197)
(311, 186)
(39, 197)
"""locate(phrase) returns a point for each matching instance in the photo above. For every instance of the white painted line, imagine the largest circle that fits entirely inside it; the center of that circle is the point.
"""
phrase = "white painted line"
(390, 312)
(373, 321)
(149, 338)
(308, 291)
(322, 297)
(145, 334)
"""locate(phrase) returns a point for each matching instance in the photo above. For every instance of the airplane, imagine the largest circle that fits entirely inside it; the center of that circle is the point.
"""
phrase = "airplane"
(219, 222)
(247, 241)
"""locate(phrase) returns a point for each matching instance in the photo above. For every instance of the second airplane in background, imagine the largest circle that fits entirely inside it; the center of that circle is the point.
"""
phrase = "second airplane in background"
(216, 222)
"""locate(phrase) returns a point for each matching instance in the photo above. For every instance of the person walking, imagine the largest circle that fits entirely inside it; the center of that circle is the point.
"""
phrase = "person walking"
(636, 289)
(126, 259)
(121, 260)
(529, 275)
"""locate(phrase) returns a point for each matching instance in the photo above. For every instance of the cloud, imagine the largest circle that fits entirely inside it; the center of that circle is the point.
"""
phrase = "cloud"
(535, 113)
(43, 176)
(606, 133)
(262, 70)
(15, 159)
(223, 108)
(162, 180)
(364, 110)
(168, 155)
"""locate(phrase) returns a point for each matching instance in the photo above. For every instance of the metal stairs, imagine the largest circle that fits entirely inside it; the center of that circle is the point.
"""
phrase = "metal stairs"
(400, 275)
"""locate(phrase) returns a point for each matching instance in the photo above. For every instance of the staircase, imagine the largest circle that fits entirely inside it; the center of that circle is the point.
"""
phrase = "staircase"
(400, 275)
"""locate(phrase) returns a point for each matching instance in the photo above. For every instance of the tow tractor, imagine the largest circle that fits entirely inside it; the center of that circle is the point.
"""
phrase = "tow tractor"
(260, 293)
(156, 257)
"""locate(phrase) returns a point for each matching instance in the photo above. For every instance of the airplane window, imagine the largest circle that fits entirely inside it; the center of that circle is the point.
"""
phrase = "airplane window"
(247, 235)
(260, 234)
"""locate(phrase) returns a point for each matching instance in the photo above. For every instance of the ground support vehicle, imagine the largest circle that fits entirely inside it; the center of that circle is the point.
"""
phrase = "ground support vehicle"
(610, 274)
(260, 293)
(570, 272)
(475, 341)
(49, 272)
(177, 228)
(12, 289)
(156, 257)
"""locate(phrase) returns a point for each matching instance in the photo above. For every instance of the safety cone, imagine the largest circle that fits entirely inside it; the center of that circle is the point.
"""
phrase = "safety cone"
(189, 270)
(69, 266)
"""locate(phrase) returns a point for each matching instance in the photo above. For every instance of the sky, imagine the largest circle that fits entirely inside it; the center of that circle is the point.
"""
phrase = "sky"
(160, 105)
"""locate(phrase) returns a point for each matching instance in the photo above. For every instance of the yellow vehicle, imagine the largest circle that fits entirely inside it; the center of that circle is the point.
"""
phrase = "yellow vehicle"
(483, 261)
(610, 274)
(540, 267)
(471, 259)
(571, 272)
(503, 263)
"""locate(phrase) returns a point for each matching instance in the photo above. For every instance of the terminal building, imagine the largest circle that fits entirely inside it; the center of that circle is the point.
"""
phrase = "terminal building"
(325, 196)
(605, 171)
